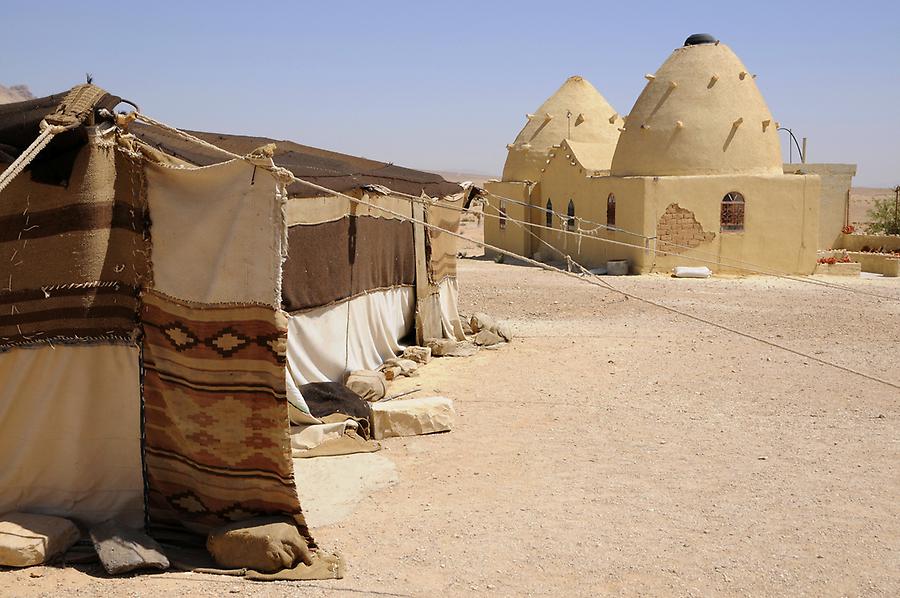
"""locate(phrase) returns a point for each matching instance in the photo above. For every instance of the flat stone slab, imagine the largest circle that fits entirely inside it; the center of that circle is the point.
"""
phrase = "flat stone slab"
(122, 549)
(28, 539)
(412, 417)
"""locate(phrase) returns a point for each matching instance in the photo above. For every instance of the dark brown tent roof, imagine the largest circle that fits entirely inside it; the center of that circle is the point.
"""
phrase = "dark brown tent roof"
(19, 124)
(339, 172)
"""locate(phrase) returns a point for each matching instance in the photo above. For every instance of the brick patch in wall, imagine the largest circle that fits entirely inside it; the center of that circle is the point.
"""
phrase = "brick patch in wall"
(678, 226)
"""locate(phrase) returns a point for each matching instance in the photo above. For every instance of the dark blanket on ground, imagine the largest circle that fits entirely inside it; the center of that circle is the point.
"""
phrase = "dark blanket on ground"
(326, 398)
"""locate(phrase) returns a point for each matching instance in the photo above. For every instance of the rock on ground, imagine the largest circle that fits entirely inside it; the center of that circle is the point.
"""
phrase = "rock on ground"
(28, 539)
(441, 346)
(481, 321)
(412, 417)
(487, 338)
(122, 549)
(420, 355)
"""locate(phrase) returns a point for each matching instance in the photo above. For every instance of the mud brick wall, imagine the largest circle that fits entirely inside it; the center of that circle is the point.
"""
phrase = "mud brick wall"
(679, 226)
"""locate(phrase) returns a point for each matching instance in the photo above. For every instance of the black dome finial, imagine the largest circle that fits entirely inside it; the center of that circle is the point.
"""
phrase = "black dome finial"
(700, 38)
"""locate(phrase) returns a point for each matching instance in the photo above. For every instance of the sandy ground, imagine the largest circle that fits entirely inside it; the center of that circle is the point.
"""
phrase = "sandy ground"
(332, 487)
(616, 449)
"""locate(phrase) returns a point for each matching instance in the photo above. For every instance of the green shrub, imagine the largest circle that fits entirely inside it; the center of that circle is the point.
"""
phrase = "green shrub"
(884, 217)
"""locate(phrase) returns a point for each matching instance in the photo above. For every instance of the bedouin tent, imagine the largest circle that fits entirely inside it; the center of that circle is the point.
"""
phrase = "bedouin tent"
(159, 304)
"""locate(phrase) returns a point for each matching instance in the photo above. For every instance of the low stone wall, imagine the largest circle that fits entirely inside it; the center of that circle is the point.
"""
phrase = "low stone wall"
(877, 263)
(838, 269)
(872, 242)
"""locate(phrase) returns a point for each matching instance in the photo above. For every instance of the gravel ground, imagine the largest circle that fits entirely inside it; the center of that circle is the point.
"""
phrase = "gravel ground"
(616, 449)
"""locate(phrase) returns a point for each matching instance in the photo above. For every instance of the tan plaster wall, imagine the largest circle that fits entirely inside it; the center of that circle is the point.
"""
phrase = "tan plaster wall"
(781, 220)
(836, 180)
(513, 238)
(781, 217)
(561, 182)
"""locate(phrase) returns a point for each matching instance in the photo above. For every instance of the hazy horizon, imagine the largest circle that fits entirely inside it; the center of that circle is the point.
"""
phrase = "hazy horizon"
(447, 86)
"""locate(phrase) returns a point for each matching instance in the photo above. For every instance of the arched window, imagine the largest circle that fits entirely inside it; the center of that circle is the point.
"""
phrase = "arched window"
(570, 212)
(549, 214)
(611, 210)
(502, 211)
(732, 212)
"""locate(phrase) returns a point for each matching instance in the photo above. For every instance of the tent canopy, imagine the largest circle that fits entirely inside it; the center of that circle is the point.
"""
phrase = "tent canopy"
(143, 297)
(340, 172)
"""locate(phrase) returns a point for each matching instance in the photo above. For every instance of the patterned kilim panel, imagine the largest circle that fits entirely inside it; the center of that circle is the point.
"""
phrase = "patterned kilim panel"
(72, 259)
(217, 445)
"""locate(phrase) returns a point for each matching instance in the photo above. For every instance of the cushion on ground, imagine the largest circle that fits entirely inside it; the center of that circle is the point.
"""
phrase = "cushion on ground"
(368, 384)
(265, 544)
(327, 398)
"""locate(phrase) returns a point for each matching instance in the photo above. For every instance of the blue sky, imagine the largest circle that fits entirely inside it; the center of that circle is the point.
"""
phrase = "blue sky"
(446, 85)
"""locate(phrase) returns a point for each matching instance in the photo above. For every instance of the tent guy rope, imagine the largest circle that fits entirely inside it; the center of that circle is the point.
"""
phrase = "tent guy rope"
(30, 153)
(287, 175)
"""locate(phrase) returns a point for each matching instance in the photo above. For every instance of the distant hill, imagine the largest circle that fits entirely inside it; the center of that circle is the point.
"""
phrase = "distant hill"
(15, 93)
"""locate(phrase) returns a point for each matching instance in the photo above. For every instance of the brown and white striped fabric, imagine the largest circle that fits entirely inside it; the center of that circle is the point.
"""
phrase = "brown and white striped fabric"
(348, 285)
(443, 248)
(74, 258)
(354, 254)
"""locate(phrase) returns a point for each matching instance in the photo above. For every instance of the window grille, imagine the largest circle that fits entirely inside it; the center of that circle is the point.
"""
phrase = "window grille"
(732, 212)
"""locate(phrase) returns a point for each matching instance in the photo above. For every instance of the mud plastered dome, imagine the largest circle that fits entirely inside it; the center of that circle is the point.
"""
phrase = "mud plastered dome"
(577, 111)
(701, 113)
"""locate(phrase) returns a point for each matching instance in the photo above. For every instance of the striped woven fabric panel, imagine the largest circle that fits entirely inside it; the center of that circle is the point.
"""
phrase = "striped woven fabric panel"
(72, 259)
(217, 446)
(442, 248)
(336, 260)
